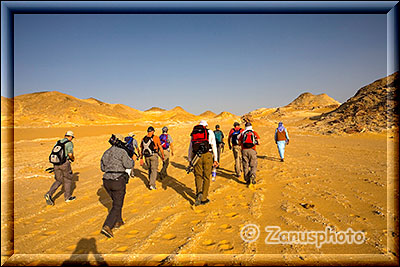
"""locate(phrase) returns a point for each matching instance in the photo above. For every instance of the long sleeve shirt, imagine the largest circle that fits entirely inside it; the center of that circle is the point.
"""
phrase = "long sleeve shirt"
(114, 162)
(213, 143)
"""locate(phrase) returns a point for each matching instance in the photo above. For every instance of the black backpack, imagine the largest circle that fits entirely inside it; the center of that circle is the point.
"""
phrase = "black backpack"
(200, 142)
(58, 155)
(235, 136)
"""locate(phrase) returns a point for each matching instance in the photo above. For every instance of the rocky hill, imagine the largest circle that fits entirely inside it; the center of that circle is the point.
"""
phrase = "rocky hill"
(372, 108)
(311, 101)
(208, 114)
(155, 109)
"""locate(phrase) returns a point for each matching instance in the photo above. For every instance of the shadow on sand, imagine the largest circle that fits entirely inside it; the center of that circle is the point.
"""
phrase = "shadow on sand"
(269, 158)
(104, 198)
(80, 256)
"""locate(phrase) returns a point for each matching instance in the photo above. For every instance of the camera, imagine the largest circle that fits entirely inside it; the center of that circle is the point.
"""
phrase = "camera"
(114, 141)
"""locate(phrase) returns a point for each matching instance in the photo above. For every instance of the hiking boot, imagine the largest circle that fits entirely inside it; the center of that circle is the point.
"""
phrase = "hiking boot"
(70, 199)
(198, 199)
(118, 224)
(49, 200)
(106, 230)
(205, 202)
(237, 175)
(152, 187)
(282, 160)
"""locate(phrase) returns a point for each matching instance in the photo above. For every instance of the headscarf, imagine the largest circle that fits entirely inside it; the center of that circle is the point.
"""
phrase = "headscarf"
(280, 127)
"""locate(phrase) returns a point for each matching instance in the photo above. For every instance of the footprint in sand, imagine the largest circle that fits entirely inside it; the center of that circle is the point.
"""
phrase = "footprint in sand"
(50, 233)
(225, 245)
(134, 210)
(225, 226)
(231, 214)
(199, 211)
(157, 220)
(132, 234)
(195, 221)
(208, 242)
(122, 249)
(169, 236)
(166, 208)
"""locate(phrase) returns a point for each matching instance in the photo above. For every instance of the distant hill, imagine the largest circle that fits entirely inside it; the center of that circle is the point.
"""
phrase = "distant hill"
(58, 109)
(224, 115)
(311, 101)
(208, 114)
(372, 108)
(7, 111)
(156, 109)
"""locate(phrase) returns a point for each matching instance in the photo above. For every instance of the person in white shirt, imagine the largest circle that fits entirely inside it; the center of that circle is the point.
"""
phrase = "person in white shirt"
(203, 142)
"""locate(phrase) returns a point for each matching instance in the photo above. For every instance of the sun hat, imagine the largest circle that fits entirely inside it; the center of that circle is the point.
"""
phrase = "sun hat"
(120, 137)
(203, 122)
(131, 134)
(70, 133)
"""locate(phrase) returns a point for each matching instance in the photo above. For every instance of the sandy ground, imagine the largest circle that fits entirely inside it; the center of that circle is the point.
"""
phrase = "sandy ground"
(335, 181)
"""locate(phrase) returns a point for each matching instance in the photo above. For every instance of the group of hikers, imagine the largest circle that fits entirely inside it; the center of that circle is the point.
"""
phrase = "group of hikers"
(204, 152)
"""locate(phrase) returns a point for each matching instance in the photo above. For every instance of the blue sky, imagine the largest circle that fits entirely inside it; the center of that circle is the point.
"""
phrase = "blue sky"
(234, 63)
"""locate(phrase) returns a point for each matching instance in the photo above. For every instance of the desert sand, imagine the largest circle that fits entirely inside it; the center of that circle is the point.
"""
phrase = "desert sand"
(329, 179)
(343, 178)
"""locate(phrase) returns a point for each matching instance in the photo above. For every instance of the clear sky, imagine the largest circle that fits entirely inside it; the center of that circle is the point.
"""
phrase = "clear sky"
(234, 63)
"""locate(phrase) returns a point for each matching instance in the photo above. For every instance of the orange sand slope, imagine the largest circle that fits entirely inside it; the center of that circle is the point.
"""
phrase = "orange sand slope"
(340, 182)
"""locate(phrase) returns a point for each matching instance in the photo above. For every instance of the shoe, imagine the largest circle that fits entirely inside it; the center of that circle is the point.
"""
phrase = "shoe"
(198, 199)
(49, 200)
(70, 199)
(253, 179)
(118, 224)
(152, 187)
(237, 175)
(204, 202)
(282, 160)
(106, 230)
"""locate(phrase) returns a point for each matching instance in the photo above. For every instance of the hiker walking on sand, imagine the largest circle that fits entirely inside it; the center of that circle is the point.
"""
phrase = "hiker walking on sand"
(203, 143)
(166, 143)
(132, 144)
(248, 140)
(150, 149)
(114, 163)
(235, 147)
(281, 139)
(219, 138)
(61, 156)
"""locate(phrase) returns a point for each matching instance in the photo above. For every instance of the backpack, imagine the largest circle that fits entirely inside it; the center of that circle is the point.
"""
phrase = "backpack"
(129, 143)
(58, 155)
(249, 139)
(235, 135)
(218, 136)
(200, 142)
(148, 146)
(164, 141)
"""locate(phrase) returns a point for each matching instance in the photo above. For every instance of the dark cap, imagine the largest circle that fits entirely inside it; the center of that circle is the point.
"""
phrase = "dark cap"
(236, 124)
(150, 129)
(217, 126)
(247, 124)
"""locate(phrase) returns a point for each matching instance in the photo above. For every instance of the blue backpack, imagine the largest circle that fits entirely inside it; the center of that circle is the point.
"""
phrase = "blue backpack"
(129, 144)
(164, 141)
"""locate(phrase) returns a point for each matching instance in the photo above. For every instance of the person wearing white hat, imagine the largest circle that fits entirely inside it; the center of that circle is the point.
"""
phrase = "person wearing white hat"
(63, 172)
(203, 142)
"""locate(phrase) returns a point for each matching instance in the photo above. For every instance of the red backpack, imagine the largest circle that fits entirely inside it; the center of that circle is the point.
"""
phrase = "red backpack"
(249, 139)
(200, 142)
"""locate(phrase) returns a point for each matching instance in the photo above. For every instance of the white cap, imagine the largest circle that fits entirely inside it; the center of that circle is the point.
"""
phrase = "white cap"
(70, 133)
(204, 123)
(131, 134)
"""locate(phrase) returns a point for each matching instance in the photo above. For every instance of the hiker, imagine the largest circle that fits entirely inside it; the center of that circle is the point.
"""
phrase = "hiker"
(166, 143)
(203, 143)
(150, 149)
(235, 147)
(219, 138)
(132, 144)
(281, 139)
(248, 140)
(61, 156)
(114, 163)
